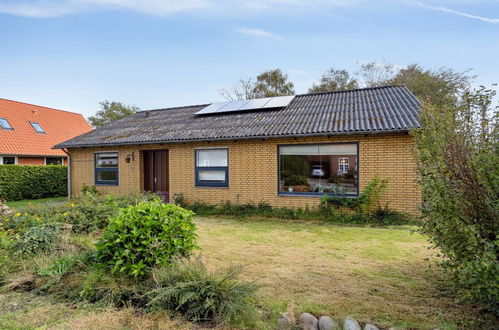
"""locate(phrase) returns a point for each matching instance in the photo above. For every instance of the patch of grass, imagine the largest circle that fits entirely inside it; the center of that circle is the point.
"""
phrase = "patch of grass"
(378, 275)
(28, 202)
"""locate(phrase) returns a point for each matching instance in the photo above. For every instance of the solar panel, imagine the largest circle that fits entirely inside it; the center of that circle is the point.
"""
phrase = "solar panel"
(212, 108)
(280, 101)
(245, 105)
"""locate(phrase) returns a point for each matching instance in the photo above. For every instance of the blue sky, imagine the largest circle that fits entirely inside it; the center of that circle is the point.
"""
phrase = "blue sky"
(71, 54)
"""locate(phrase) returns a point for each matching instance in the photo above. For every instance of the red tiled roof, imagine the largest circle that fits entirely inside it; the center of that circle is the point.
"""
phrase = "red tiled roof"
(59, 126)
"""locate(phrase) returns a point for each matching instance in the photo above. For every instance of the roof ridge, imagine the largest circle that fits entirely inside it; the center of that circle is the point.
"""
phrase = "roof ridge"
(353, 90)
(171, 108)
(42, 106)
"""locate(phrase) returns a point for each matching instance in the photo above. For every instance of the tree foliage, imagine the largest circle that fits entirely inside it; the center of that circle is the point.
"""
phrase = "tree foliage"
(243, 89)
(334, 80)
(273, 83)
(458, 161)
(111, 111)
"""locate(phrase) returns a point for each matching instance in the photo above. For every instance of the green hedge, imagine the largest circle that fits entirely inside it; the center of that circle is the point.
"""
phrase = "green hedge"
(18, 182)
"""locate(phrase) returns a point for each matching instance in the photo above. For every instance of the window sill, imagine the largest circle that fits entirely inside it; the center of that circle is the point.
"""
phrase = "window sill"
(107, 184)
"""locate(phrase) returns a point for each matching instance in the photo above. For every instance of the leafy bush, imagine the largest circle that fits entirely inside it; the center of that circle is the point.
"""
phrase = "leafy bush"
(296, 180)
(89, 190)
(36, 239)
(179, 199)
(188, 288)
(19, 182)
(146, 235)
(458, 161)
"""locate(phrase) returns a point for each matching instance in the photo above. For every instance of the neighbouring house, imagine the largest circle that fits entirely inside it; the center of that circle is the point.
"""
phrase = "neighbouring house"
(28, 132)
(286, 151)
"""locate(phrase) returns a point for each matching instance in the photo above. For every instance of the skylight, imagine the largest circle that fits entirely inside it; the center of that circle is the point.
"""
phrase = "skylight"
(4, 123)
(37, 127)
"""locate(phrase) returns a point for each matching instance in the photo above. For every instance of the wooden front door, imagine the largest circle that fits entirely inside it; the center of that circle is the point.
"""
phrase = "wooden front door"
(156, 173)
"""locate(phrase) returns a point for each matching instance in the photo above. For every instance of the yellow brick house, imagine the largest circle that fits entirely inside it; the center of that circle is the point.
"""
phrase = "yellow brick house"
(286, 151)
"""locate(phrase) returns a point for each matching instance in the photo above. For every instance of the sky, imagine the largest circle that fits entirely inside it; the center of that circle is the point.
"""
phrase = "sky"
(72, 54)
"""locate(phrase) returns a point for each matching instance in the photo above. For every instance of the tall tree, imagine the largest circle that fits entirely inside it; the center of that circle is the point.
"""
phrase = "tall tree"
(111, 111)
(334, 80)
(374, 74)
(273, 83)
(439, 86)
(241, 90)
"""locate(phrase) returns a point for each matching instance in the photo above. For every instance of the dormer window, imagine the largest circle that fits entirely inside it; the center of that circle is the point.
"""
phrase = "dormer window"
(4, 123)
(37, 127)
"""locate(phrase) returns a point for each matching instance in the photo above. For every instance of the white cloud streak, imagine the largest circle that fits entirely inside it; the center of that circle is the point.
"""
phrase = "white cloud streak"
(55, 8)
(455, 12)
(256, 33)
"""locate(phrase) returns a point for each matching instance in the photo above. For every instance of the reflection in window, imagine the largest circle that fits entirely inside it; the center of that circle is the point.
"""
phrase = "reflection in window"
(53, 161)
(8, 160)
(4, 123)
(211, 167)
(106, 168)
(319, 168)
(37, 128)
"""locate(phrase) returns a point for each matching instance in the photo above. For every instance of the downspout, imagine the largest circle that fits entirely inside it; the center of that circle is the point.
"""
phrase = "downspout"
(69, 172)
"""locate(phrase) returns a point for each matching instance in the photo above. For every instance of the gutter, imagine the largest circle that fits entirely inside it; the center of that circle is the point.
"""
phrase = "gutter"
(69, 171)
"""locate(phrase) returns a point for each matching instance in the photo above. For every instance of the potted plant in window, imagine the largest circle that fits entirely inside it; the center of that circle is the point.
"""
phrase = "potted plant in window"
(296, 183)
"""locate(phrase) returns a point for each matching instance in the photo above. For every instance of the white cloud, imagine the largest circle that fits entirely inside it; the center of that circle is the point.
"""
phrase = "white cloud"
(52, 8)
(256, 33)
(455, 12)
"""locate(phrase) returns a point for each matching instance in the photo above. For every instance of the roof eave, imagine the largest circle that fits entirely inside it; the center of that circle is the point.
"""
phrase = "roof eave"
(64, 146)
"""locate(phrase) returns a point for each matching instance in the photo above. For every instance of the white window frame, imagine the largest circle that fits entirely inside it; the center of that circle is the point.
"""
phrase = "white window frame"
(15, 159)
(341, 166)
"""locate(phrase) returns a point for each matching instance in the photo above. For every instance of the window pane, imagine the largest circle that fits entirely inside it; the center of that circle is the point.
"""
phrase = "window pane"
(217, 176)
(211, 157)
(53, 161)
(37, 127)
(108, 159)
(329, 168)
(110, 175)
(5, 124)
(9, 160)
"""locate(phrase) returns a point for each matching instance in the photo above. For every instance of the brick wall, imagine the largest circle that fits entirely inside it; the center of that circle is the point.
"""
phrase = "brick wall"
(31, 160)
(253, 169)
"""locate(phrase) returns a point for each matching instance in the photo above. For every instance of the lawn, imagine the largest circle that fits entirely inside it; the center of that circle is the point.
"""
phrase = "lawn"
(374, 274)
(26, 202)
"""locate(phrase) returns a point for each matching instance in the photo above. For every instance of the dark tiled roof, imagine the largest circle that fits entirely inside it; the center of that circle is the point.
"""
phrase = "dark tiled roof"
(369, 110)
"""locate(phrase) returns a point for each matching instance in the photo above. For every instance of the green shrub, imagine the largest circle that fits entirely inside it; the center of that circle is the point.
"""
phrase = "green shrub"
(458, 162)
(296, 180)
(89, 190)
(188, 288)
(146, 235)
(19, 182)
(36, 239)
(179, 199)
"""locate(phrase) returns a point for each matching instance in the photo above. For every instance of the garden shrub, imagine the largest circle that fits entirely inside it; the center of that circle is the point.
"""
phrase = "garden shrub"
(36, 239)
(296, 180)
(146, 235)
(188, 288)
(19, 182)
(458, 161)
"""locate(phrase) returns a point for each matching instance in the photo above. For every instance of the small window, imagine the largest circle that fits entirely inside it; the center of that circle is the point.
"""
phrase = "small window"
(211, 167)
(37, 127)
(8, 160)
(53, 161)
(106, 168)
(343, 164)
(4, 123)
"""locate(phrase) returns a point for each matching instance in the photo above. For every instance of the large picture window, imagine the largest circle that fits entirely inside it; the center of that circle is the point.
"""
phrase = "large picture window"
(212, 167)
(319, 169)
(106, 168)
